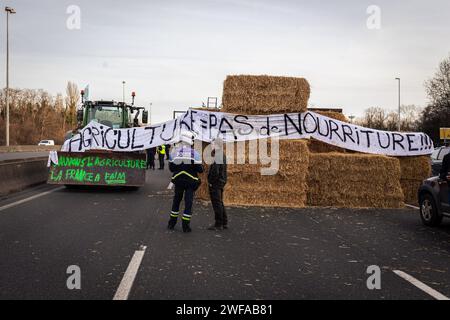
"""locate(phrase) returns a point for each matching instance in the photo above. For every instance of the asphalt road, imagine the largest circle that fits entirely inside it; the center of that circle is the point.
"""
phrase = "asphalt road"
(22, 155)
(266, 253)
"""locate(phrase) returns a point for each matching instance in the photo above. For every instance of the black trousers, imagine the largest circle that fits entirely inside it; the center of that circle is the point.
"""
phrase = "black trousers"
(220, 213)
(151, 162)
(161, 161)
(187, 191)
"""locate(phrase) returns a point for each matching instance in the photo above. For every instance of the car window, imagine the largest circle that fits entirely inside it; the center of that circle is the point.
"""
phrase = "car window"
(435, 154)
(443, 153)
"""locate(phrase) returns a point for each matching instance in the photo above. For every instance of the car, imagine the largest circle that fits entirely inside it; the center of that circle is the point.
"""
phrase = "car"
(437, 157)
(434, 201)
(46, 143)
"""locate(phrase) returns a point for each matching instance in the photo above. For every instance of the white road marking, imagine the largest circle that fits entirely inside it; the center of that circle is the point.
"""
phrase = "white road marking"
(412, 207)
(422, 286)
(29, 199)
(126, 284)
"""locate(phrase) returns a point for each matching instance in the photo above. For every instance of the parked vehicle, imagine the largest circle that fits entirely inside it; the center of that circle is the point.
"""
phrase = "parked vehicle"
(46, 143)
(434, 201)
(437, 157)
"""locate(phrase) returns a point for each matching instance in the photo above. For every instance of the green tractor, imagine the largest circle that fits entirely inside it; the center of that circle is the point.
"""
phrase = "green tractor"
(100, 167)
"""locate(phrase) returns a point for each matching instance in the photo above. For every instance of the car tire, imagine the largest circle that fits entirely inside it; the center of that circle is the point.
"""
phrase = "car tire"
(429, 212)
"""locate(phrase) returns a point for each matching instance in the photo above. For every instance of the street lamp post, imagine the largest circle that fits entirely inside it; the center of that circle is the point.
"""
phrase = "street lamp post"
(399, 102)
(352, 117)
(123, 91)
(8, 12)
(150, 113)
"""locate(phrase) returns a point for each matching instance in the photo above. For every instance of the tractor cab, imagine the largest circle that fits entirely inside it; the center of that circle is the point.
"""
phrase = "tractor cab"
(113, 114)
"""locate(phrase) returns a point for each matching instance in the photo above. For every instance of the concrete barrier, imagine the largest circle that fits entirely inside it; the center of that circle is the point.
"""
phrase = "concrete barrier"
(16, 175)
(29, 148)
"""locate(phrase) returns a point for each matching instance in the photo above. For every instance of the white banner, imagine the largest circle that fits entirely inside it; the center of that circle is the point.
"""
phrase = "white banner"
(236, 127)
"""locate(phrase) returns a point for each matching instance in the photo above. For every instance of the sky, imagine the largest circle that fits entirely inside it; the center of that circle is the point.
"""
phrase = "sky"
(175, 54)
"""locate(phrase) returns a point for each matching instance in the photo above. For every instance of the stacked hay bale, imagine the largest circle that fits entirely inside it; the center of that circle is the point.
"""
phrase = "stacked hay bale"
(311, 172)
(413, 171)
(287, 188)
(265, 94)
(354, 181)
(246, 186)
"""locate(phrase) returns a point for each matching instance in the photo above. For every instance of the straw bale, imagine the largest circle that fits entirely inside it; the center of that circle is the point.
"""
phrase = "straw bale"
(265, 94)
(238, 197)
(413, 171)
(354, 181)
(316, 146)
(246, 186)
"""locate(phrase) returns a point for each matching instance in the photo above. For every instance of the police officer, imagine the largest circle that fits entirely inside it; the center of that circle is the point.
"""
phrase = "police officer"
(161, 155)
(185, 164)
(217, 178)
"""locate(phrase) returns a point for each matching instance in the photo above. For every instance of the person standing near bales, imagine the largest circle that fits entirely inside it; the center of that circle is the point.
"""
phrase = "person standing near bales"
(151, 158)
(161, 156)
(185, 164)
(217, 178)
(445, 172)
(167, 151)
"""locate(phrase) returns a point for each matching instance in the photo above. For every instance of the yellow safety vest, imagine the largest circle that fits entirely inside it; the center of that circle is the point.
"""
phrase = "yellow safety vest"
(163, 149)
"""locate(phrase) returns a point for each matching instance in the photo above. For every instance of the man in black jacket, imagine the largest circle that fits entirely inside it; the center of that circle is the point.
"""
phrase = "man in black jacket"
(217, 178)
(445, 172)
(151, 158)
(186, 164)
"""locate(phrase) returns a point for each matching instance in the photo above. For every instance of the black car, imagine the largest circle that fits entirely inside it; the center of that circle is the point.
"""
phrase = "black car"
(434, 201)
(437, 157)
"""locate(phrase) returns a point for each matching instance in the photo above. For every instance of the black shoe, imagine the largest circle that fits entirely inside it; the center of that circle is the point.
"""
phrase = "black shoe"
(186, 227)
(225, 227)
(172, 223)
(215, 227)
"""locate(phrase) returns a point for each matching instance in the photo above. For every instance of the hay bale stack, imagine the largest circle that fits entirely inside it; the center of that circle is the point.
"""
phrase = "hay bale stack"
(265, 94)
(413, 171)
(247, 187)
(202, 192)
(333, 115)
(287, 188)
(354, 181)
(316, 146)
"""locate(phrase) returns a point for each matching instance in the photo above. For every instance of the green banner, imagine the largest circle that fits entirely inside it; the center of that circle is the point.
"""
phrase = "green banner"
(97, 168)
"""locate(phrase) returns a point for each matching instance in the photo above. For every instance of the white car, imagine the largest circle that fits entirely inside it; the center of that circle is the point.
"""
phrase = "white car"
(46, 143)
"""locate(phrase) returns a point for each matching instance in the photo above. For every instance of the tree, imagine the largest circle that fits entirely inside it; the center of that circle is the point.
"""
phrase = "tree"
(72, 100)
(34, 115)
(437, 114)
(373, 118)
(410, 117)
(382, 119)
(438, 87)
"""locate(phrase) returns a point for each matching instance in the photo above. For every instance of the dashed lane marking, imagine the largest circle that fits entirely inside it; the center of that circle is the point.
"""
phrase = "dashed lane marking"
(126, 284)
(422, 286)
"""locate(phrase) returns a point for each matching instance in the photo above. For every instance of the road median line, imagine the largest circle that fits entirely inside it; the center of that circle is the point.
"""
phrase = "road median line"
(16, 203)
(126, 284)
(422, 286)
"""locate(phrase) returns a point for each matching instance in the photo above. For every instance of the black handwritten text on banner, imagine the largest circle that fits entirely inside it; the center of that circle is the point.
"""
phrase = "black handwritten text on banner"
(235, 127)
